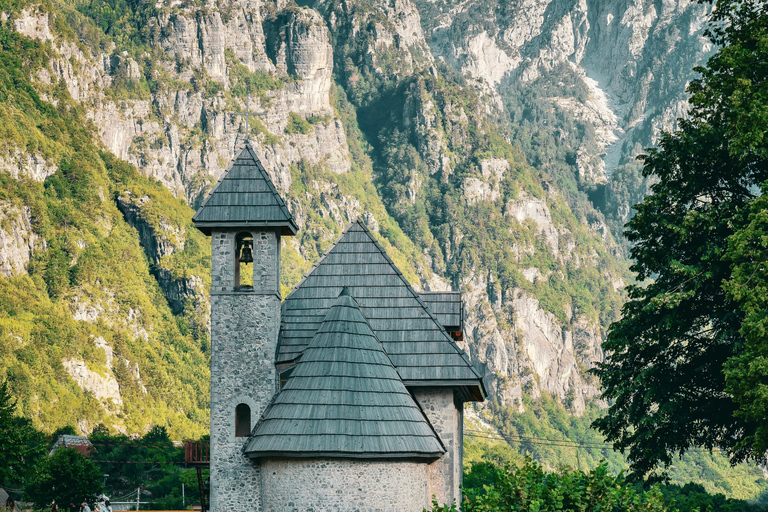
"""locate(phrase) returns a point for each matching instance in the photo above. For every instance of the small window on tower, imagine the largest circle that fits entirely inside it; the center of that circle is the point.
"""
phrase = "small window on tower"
(244, 260)
(242, 420)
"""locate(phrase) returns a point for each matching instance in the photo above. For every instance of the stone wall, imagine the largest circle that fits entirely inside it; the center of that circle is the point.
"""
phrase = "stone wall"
(266, 262)
(244, 329)
(447, 419)
(342, 485)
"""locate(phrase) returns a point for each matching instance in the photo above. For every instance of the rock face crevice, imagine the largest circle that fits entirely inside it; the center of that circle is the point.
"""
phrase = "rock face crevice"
(159, 238)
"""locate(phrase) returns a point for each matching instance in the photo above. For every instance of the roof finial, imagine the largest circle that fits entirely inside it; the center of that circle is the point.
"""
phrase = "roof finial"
(345, 292)
(247, 114)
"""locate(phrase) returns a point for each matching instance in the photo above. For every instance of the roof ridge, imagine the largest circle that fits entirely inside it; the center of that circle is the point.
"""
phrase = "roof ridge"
(266, 177)
(319, 261)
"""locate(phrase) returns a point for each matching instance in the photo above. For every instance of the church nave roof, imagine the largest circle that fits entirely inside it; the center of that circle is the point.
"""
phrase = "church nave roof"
(417, 344)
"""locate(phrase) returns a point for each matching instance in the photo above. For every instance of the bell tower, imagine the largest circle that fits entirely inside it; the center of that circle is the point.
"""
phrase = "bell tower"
(245, 217)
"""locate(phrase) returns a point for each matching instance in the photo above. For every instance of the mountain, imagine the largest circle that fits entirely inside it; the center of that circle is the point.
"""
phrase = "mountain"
(487, 144)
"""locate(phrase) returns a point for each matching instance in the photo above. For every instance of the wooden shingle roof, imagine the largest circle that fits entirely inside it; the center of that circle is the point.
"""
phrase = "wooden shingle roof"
(447, 309)
(344, 398)
(419, 347)
(244, 197)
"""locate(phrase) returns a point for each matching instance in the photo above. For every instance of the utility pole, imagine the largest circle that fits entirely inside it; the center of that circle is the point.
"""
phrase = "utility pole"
(138, 497)
(183, 497)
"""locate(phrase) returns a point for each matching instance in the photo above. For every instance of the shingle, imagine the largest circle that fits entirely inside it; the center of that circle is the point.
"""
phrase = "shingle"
(403, 323)
(244, 197)
(446, 307)
(344, 398)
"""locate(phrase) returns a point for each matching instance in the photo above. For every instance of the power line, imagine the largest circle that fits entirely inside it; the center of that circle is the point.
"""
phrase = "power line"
(140, 461)
(556, 442)
(538, 440)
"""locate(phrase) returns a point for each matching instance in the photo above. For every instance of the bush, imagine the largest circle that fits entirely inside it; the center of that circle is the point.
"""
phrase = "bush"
(527, 487)
(297, 124)
(530, 488)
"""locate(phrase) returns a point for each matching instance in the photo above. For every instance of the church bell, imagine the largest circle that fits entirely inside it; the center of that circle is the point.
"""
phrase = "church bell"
(246, 256)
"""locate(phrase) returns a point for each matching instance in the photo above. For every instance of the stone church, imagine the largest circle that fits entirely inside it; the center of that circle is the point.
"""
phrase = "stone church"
(348, 394)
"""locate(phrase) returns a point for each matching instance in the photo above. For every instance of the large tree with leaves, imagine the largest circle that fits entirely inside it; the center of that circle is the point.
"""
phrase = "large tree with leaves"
(66, 476)
(20, 444)
(676, 358)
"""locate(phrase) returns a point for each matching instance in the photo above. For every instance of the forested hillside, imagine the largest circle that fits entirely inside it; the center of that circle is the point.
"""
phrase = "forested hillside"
(117, 122)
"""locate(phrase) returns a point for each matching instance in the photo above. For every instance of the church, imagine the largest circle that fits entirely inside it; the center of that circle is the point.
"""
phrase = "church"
(346, 395)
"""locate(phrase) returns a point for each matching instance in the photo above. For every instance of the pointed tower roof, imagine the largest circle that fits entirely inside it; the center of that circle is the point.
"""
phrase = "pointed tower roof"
(344, 398)
(416, 343)
(244, 197)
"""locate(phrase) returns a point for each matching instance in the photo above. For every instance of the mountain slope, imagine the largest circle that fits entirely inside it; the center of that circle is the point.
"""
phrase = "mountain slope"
(429, 142)
(86, 335)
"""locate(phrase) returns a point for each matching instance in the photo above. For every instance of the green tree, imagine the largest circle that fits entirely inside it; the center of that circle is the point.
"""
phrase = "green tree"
(20, 443)
(67, 477)
(151, 462)
(681, 330)
(9, 442)
(746, 374)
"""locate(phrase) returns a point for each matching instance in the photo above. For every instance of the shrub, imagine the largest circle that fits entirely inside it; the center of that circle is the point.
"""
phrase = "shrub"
(297, 124)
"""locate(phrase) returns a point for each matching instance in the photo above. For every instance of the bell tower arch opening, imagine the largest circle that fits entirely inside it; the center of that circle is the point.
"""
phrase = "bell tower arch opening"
(243, 260)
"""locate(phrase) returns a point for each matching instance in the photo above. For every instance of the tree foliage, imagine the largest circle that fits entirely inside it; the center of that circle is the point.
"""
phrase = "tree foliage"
(67, 476)
(682, 331)
(20, 444)
(128, 463)
(527, 486)
(746, 374)
(530, 488)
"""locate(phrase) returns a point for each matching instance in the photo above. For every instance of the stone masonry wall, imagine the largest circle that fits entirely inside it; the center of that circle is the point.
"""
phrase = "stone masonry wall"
(266, 262)
(339, 485)
(222, 261)
(445, 473)
(244, 329)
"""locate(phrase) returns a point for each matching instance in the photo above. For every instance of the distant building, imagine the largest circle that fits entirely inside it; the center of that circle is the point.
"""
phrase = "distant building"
(79, 443)
(6, 501)
(347, 395)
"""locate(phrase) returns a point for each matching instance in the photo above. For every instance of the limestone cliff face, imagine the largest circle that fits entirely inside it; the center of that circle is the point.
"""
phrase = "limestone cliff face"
(634, 56)
(184, 134)
(17, 239)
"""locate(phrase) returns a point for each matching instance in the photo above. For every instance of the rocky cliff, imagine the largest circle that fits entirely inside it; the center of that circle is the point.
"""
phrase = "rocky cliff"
(395, 110)
(634, 58)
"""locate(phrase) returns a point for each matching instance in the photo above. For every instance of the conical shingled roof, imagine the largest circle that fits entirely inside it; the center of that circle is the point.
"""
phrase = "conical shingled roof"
(344, 398)
(416, 343)
(244, 197)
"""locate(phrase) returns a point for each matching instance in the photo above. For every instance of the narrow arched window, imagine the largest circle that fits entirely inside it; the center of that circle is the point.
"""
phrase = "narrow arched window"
(242, 420)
